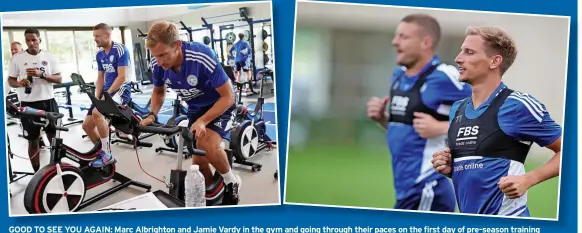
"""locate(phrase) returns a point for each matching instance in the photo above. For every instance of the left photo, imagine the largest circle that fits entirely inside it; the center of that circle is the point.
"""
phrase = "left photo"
(140, 108)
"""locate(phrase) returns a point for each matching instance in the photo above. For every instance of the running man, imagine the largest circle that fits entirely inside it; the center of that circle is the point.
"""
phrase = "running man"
(423, 90)
(193, 71)
(112, 62)
(242, 59)
(491, 132)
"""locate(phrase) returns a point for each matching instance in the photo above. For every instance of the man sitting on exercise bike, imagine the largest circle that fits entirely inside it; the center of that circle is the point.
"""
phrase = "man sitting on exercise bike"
(194, 72)
(112, 62)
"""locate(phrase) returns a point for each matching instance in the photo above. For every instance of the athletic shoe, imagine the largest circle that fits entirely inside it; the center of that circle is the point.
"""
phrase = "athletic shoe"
(104, 160)
(233, 190)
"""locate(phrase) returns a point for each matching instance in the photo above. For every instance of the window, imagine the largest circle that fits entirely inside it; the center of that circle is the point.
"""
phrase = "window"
(6, 55)
(59, 43)
(129, 45)
(116, 35)
(86, 50)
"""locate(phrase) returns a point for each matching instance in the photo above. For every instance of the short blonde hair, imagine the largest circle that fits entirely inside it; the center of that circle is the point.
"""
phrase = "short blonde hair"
(162, 32)
(497, 41)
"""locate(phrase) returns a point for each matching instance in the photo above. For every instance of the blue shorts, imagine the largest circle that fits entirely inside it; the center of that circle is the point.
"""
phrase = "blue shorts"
(436, 195)
(122, 97)
(221, 125)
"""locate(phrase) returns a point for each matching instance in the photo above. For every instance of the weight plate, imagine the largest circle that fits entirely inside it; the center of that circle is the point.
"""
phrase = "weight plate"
(230, 38)
(206, 40)
(248, 35)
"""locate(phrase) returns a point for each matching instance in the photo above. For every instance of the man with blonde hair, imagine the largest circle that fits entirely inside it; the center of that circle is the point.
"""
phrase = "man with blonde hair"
(193, 71)
(491, 132)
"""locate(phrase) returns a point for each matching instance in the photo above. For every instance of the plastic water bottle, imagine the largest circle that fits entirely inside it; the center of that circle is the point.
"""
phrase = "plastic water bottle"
(195, 188)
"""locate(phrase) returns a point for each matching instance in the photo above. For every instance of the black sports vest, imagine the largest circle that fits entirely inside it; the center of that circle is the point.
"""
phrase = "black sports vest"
(403, 104)
(483, 136)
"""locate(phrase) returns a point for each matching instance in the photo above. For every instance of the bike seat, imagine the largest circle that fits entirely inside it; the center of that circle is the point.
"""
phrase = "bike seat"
(239, 84)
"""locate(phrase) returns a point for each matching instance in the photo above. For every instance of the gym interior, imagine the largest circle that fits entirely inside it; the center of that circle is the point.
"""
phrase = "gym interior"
(68, 35)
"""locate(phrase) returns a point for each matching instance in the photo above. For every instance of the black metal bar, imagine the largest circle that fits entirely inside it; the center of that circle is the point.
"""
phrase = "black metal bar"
(125, 182)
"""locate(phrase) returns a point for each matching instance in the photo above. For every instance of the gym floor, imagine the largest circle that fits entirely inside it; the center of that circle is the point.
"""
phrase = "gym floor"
(258, 188)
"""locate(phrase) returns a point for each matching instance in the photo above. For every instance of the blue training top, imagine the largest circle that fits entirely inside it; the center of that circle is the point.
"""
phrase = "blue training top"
(110, 62)
(523, 118)
(200, 75)
(411, 154)
(243, 51)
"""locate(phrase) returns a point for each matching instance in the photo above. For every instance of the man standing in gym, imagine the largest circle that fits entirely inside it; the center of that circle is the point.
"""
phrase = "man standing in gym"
(32, 73)
(112, 62)
(492, 131)
(192, 70)
(422, 92)
(243, 52)
(16, 48)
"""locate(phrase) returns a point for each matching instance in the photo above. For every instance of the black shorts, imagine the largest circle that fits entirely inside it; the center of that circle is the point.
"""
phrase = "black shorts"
(241, 65)
(31, 131)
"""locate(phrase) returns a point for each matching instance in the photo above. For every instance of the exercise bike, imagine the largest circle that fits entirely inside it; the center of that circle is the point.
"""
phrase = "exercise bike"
(125, 120)
(249, 134)
(61, 187)
(179, 118)
(78, 80)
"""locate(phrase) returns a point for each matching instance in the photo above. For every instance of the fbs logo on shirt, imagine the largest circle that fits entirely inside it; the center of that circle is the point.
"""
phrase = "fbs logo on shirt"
(399, 104)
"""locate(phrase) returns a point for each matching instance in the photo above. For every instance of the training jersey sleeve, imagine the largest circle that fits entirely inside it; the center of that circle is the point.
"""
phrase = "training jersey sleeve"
(231, 50)
(157, 74)
(14, 70)
(123, 54)
(524, 118)
(443, 89)
(99, 63)
(454, 110)
(212, 68)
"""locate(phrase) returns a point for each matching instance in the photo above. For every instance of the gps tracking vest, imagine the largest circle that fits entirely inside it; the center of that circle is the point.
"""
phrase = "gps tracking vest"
(483, 136)
(403, 104)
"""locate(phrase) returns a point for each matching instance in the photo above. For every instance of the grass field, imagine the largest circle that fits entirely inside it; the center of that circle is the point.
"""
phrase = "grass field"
(362, 177)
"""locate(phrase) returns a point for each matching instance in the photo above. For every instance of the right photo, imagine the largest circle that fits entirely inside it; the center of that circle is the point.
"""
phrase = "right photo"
(427, 110)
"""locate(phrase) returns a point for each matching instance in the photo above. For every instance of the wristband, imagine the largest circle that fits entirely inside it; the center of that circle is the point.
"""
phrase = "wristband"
(43, 75)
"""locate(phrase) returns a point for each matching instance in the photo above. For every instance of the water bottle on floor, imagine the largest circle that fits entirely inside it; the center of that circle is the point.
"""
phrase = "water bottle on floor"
(195, 188)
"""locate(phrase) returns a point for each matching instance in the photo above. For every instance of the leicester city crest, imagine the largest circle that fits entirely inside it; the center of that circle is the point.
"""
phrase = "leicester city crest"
(192, 80)
(111, 58)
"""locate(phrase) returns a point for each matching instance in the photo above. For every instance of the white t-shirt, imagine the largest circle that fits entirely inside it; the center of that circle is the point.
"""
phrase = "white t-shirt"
(41, 89)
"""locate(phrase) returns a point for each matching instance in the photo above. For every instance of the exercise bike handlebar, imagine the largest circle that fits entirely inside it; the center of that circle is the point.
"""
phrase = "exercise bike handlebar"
(162, 129)
(52, 117)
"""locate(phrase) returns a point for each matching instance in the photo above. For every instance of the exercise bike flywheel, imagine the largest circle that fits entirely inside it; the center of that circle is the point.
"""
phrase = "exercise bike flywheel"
(54, 191)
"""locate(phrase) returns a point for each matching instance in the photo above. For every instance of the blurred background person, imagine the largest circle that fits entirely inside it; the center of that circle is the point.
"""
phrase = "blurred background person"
(423, 91)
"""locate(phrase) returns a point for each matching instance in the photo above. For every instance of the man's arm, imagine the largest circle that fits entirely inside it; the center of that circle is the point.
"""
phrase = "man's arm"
(157, 99)
(159, 91)
(13, 82)
(524, 118)
(13, 73)
(122, 64)
(119, 80)
(549, 170)
(99, 83)
(225, 101)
